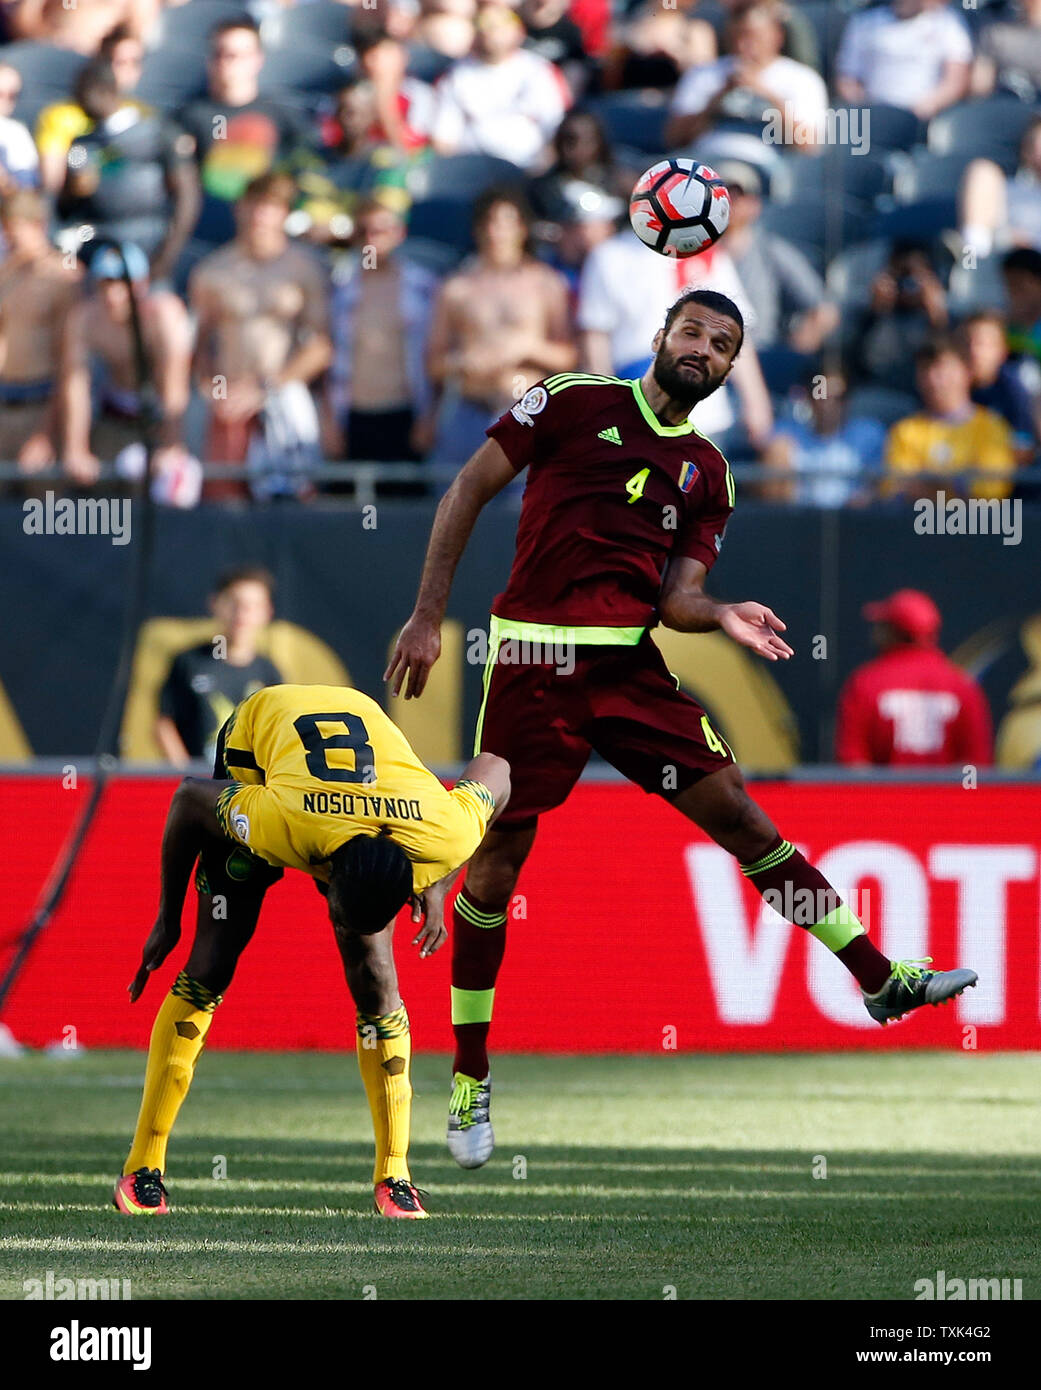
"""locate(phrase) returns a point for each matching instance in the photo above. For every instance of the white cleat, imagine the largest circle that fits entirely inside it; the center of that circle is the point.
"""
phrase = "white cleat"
(471, 1138)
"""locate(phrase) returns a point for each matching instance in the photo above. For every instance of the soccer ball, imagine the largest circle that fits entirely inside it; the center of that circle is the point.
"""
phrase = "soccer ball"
(679, 207)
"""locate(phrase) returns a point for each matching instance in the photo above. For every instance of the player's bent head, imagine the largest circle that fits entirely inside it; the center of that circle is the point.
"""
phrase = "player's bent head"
(370, 881)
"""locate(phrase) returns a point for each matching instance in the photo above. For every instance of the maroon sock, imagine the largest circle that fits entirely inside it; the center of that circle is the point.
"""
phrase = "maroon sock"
(477, 953)
(802, 895)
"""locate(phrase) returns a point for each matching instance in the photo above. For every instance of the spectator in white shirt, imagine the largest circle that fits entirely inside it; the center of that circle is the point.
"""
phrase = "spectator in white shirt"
(19, 161)
(914, 54)
(624, 293)
(753, 82)
(503, 100)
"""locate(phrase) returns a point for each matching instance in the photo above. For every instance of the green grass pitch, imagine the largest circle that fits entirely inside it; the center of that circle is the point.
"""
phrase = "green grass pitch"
(614, 1177)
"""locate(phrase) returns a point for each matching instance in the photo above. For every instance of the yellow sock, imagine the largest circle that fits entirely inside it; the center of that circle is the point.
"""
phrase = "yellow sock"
(178, 1035)
(384, 1060)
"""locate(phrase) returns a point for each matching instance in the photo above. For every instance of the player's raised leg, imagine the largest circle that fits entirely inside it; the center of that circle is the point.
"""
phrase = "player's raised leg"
(721, 806)
(228, 909)
(478, 946)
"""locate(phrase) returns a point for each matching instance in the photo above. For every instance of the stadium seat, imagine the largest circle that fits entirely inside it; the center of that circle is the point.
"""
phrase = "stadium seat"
(446, 221)
(922, 174)
(893, 128)
(923, 220)
(435, 256)
(860, 177)
(48, 75)
(458, 177)
(426, 64)
(636, 118)
(189, 26)
(322, 23)
(173, 76)
(818, 229)
(305, 73)
(990, 128)
(976, 287)
(784, 368)
(881, 404)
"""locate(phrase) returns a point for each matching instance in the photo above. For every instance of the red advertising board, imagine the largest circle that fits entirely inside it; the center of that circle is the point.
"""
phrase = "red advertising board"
(630, 932)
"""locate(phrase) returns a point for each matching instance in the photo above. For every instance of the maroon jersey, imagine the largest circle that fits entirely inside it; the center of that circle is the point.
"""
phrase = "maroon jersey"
(612, 494)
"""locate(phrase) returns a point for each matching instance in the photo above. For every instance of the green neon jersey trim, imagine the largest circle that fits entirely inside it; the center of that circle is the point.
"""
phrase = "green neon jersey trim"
(670, 431)
(502, 629)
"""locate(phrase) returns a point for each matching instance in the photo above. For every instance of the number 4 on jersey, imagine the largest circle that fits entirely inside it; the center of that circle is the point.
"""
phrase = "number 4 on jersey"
(636, 484)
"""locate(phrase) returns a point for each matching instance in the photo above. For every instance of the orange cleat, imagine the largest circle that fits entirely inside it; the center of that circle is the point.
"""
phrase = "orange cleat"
(397, 1197)
(141, 1194)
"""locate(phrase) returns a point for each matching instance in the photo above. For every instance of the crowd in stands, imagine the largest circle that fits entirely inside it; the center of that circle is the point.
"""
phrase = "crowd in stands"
(361, 232)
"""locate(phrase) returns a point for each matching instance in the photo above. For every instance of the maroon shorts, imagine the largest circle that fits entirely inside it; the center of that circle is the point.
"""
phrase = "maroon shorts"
(621, 702)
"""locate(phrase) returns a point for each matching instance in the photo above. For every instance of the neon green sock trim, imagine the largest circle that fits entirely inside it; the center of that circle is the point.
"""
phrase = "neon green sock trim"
(472, 1005)
(487, 921)
(838, 929)
(769, 861)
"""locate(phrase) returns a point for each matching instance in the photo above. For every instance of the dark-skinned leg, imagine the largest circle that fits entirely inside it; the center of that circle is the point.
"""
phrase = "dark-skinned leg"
(226, 917)
(479, 940)
(722, 807)
(384, 1045)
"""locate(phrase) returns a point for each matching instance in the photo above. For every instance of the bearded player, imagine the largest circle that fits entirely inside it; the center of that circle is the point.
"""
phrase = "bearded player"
(623, 516)
(315, 778)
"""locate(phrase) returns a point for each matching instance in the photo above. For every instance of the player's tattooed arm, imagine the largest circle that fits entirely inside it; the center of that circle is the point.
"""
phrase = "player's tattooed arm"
(419, 643)
(190, 821)
(685, 607)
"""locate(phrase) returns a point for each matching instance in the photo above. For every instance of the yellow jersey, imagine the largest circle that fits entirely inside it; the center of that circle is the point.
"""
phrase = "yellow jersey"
(314, 765)
(981, 442)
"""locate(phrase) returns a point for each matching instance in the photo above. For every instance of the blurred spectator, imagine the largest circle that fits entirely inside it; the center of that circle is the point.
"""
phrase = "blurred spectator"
(951, 437)
(1009, 52)
(261, 305)
(64, 121)
(555, 36)
(593, 18)
(99, 388)
(654, 45)
(207, 682)
(995, 210)
(502, 100)
(133, 176)
(1021, 272)
(404, 111)
(19, 161)
(914, 54)
(584, 216)
(908, 304)
(788, 298)
(500, 325)
(446, 27)
(37, 290)
(239, 134)
(826, 453)
(581, 153)
(911, 706)
(381, 311)
(626, 290)
(996, 384)
(81, 26)
(752, 83)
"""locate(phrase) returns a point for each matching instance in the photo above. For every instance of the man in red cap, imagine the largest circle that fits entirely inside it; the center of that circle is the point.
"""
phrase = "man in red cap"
(911, 706)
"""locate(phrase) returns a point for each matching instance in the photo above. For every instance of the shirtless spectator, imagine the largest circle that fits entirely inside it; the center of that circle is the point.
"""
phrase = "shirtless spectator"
(263, 322)
(99, 369)
(81, 26)
(499, 326)
(19, 161)
(503, 100)
(37, 291)
(64, 121)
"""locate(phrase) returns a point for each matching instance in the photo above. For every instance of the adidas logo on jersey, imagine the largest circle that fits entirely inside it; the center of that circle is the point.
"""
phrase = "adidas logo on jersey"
(611, 435)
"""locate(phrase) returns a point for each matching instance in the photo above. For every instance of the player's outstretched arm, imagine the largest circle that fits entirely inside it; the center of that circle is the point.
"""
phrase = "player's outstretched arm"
(685, 607)
(190, 820)
(419, 643)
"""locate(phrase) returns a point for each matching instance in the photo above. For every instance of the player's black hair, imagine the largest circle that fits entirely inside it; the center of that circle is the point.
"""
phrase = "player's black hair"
(242, 574)
(708, 299)
(1023, 258)
(370, 881)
